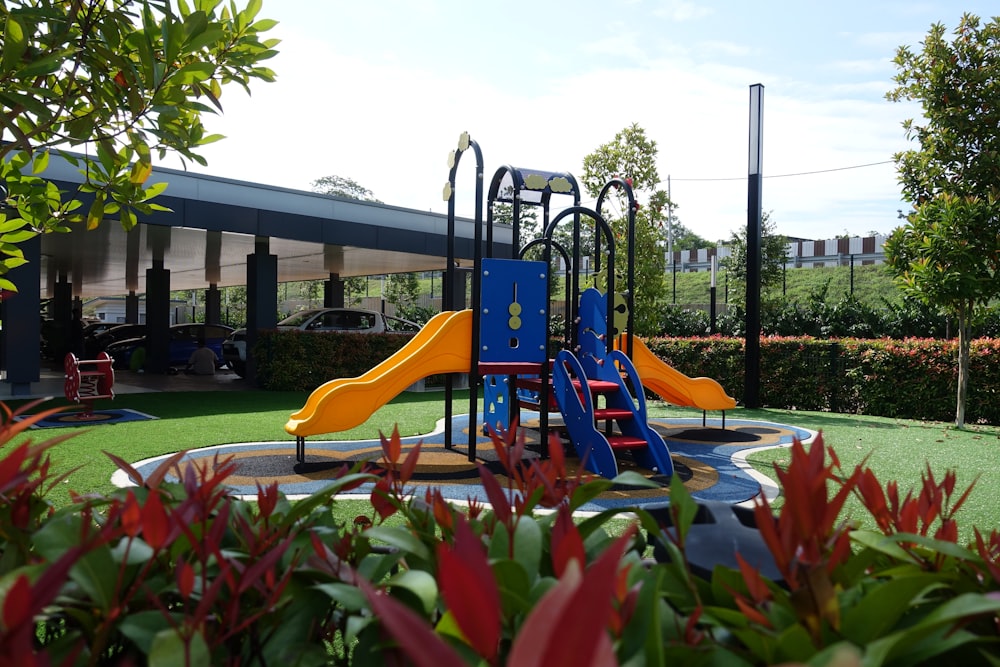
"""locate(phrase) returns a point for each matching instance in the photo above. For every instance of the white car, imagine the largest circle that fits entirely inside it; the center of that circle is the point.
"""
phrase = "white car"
(323, 320)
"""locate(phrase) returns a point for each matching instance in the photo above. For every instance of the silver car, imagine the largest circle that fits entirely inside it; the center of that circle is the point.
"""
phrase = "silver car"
(323, 320)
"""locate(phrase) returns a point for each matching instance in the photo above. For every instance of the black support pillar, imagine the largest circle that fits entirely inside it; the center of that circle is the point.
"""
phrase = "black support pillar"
(333, 292)
(157, 318)
(262, 296)
(21, 322)
(213, 305)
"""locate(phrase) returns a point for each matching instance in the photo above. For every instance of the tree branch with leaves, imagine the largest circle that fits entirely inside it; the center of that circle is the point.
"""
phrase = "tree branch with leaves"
(116, 81)
(948, 251)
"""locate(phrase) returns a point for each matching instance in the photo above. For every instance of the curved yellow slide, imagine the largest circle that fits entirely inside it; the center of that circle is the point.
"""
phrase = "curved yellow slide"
(675, 387)
(443, 345)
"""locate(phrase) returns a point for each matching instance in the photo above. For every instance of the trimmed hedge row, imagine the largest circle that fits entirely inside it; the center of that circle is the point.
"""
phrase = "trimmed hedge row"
(915, 378)
(302, 361)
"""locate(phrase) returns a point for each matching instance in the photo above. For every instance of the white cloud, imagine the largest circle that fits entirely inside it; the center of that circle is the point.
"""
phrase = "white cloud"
(388, 121)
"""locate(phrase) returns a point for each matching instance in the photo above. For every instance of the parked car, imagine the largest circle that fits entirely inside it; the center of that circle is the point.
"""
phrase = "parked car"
(349, 320)
(96, 343)
(234, 351)
(323, 320)
(183, 341)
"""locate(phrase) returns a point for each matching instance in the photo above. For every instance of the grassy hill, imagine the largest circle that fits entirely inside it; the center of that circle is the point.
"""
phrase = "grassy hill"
(872, 284)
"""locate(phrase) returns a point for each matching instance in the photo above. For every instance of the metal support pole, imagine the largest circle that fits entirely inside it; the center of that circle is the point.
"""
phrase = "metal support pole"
(751, 392)
(711, 297)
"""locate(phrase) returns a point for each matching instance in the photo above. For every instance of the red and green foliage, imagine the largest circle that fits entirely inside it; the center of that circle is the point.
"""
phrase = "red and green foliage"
(178, 571)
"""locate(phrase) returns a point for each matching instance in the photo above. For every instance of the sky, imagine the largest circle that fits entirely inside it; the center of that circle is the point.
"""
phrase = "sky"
(379, 92)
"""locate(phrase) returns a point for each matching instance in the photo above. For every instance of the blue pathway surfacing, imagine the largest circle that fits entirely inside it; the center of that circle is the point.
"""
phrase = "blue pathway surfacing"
(703, 457)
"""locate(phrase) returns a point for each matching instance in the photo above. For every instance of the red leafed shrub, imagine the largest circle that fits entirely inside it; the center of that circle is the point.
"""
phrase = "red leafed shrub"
(914, 378)
(176, 570)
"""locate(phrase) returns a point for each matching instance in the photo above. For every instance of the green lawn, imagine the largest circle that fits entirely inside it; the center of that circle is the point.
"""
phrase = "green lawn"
(895, 449)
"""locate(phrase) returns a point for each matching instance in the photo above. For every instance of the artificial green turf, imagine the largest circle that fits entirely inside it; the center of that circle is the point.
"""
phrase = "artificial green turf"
(896, 449)
(189, 420)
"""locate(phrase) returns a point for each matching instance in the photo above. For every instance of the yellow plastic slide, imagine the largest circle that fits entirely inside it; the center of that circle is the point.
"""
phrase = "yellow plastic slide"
(443, 345)
(675, 387)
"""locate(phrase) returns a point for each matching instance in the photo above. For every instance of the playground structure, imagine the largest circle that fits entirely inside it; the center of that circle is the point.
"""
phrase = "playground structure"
(502, 341)
(88, 380)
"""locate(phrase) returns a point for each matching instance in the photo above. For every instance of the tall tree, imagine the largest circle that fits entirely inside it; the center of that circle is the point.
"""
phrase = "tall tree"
(948, 251)
(772, 249)
(632, 155)
(348, 188)
(341, 186)
(118, 80)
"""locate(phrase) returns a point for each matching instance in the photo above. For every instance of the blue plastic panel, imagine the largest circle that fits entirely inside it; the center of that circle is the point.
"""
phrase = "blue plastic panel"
(513, 321)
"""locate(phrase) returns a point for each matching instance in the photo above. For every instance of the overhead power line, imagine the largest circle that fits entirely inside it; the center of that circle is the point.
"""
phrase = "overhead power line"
(801, 173)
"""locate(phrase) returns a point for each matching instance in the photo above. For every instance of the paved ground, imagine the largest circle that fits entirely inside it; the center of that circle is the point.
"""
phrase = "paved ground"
(127, 382)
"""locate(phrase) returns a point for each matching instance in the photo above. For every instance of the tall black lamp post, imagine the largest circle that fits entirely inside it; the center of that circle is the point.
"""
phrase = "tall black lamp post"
(711, 297)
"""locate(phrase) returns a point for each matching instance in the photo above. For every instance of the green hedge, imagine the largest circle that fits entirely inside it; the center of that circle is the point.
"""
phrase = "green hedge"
(914, 378)
(302, 361)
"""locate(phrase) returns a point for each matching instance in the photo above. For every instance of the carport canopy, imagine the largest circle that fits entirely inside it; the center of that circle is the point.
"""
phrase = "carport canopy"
(218, 232)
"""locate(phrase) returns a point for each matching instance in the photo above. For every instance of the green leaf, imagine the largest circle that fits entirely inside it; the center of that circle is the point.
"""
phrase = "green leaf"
(14, 43)
(192, 73)
(142, 627)
(528, 541)
(399, 538)
(95, 572)
(10, 224)
(882, 544)
(897, 646)
(47, 64)
(155, 190)
(682, 505)
(584, 493)
(349, 597)
(128, 219)
(882, 605)
(168, 650)
(264, 25)
(421, 584)
(96, 213)
(206, 39)
(632, 478)
(514, 585)
(18, 236)
(132, 552)
(40, 163)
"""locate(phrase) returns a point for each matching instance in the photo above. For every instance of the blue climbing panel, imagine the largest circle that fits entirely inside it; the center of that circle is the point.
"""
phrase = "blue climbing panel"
(513, 327)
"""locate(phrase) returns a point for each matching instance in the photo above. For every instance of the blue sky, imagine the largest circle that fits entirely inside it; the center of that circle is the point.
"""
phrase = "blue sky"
(380, 91)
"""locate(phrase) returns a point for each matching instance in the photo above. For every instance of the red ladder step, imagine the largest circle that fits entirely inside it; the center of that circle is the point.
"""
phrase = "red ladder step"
(626, 442)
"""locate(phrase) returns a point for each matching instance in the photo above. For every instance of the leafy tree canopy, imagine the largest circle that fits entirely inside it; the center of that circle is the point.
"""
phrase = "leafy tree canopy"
(948, 251)
(957, 84)
(117, 81)
(631, 155)
(340, 186)
(772, 250)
